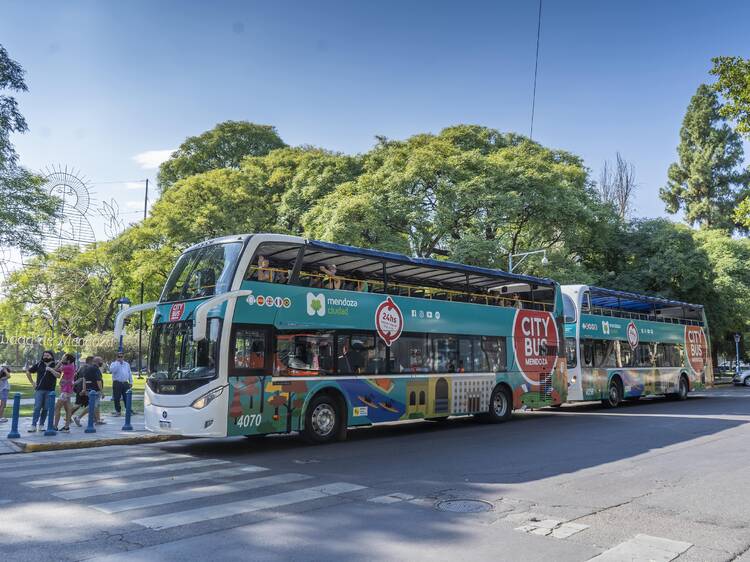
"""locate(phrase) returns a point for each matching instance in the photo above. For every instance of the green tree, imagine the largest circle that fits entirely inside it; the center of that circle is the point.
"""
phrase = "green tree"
(224, 146)
(23, 202)
(706, 182)
(733, 83)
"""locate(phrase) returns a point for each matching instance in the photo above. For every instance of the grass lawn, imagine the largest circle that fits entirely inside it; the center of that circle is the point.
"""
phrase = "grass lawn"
(20, 383)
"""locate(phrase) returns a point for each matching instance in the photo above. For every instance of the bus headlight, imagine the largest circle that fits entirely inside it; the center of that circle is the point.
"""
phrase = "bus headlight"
(207, 398)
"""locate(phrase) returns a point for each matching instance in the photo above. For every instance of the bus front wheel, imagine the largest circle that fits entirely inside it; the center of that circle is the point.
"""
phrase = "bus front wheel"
(614, 396)
(323, 420)
(682, 389)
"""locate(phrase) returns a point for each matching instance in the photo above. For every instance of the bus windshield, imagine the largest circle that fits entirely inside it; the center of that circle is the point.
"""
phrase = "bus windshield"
(174, 354)
(569, 308)
(203, 272)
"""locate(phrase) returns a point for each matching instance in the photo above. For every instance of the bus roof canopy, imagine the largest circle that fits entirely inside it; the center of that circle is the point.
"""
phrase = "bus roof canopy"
(634, 302)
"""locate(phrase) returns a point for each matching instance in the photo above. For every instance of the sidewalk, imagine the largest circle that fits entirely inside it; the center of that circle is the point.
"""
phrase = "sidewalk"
(109, 434)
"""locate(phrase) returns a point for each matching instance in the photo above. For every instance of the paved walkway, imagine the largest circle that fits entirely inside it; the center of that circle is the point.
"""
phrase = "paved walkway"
(110, 433)
(30, 401)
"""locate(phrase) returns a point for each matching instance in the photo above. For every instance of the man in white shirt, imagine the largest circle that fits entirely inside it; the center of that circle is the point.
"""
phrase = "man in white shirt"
(122, 380)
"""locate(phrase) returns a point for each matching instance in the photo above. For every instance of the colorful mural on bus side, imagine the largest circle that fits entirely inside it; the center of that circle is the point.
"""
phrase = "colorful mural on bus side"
(267, 404)
(691, 341)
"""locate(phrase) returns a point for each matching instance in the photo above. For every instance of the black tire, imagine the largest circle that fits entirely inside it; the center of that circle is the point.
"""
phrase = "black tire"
(441, 419)
(324, 420)
(746, 382)
(614, 395)
(682, 389)
(501, 405)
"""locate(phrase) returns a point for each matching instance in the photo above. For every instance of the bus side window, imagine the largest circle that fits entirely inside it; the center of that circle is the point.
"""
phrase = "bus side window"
(570, 352)
(586, 302)
(587, 353)
(248, 350)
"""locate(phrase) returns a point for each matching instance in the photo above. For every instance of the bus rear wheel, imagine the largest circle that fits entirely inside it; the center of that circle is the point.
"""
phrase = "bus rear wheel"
(323, 420)
(614, 395)
(501, 405)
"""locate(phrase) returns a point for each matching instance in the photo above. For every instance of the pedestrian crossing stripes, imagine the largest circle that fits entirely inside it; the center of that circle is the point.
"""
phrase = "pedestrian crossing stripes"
(54, 468)
(156, 489)
(115, 486)
(37, 459)
(197, 493)
(85, 478)
(202, 514)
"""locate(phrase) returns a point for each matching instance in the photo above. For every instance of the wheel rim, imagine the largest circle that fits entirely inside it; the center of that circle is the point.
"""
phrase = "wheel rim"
(747, 381)
(614, 396)
(323, 419)
(500, 404)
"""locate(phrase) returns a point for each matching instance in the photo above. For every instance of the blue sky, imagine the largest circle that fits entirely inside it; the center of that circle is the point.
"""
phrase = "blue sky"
(110, 81)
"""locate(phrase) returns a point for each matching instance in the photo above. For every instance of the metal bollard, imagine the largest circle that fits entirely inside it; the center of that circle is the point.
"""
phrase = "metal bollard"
(92, 413)
(50, 431)
(128, 407)
(16, 413)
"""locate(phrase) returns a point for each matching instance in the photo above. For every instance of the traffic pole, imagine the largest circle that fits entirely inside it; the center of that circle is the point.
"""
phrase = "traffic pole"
(128, 403)
(92, 413)
(13, 434)
(50, 431)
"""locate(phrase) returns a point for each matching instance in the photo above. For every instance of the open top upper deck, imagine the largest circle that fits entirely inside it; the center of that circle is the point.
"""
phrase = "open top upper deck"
(298, 261)
(622, 304)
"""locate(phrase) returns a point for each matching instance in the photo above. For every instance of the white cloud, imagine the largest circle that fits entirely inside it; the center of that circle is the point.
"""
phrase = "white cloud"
(150, 159)
(138, 205)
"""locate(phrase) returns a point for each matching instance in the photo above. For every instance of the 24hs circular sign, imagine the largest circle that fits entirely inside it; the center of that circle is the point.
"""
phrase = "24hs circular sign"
(535, 342)
(389, 322)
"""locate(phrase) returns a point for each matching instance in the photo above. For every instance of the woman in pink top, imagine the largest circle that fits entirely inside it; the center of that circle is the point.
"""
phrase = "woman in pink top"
(67, 370)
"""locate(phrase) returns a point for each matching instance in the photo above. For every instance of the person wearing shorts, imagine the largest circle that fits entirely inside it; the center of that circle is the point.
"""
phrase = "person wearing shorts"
(4, 390)
(67, 370)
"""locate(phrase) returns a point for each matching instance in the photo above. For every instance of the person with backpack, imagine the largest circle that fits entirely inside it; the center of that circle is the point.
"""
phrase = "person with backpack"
(46, 380)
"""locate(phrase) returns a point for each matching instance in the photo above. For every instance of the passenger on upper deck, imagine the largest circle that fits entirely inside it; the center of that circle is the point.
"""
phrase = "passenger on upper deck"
(330, 280)
(264, 273)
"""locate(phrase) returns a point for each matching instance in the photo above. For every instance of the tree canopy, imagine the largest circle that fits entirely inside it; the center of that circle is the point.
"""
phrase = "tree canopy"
(733, 83)
(707, 181)
(24, 206)
(224, 146)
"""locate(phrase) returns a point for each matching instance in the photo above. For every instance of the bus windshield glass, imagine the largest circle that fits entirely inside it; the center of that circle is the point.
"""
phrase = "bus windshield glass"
(203, 272)
(569, 308)
(174, 354)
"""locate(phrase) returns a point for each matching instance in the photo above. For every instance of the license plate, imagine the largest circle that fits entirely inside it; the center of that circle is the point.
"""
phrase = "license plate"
(165, 424)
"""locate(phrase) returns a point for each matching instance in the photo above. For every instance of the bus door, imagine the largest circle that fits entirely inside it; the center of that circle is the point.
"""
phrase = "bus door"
(250, 365)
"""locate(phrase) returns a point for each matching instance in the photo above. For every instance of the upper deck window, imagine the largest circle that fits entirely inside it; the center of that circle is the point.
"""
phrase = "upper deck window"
(203, 272)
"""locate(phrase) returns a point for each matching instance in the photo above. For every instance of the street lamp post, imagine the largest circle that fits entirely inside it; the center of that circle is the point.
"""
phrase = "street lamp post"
(123, 303)
(737, 352)
(523, 256)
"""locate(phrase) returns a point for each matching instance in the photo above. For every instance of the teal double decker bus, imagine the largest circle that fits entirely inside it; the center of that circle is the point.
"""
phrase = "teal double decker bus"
(266, 333)
(622, 345)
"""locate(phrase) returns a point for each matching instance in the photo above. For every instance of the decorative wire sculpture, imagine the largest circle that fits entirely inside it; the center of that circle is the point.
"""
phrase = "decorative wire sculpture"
(110, 211)
(73, 227)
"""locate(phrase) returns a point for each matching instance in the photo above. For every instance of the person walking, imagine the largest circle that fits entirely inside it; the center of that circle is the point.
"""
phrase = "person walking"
(79, 389)
(46, 380)
(122, 381)
(92, 379)
(4, 390)
(67, 370)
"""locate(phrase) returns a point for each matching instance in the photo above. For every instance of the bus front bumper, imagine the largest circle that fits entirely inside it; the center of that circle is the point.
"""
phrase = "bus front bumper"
(182, 420)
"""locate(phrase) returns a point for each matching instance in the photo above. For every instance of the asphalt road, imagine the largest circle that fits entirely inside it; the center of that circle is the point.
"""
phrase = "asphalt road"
(654, 480)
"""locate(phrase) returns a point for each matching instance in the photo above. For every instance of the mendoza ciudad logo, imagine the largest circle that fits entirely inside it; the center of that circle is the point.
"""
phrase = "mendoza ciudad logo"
(331, 306)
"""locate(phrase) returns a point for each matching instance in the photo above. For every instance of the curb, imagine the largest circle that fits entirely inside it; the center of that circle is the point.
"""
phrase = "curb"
(90, 443)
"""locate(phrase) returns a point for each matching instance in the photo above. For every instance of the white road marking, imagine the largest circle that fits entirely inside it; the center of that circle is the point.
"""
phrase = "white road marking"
(644, 547)
(209, 513)
(391, 498)
(38, 459)
(552, 528)
(134, 472)
(199, 492)
(85, 469)
(631, 414)
(114, 486)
